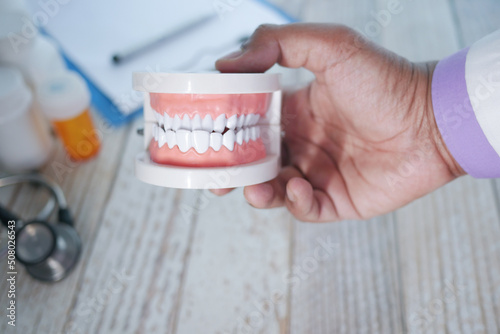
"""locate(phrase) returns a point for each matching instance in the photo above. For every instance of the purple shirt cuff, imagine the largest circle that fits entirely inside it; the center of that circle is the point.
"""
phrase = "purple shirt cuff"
(457, 122)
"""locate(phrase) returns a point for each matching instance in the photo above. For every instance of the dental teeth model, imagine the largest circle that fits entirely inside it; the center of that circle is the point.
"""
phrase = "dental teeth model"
(201, 125)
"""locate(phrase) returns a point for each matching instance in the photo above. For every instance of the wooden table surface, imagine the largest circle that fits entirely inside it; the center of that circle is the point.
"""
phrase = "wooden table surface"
(161, 260)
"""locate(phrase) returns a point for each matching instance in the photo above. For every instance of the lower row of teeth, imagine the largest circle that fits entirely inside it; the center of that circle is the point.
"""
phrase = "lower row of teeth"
(201, 140)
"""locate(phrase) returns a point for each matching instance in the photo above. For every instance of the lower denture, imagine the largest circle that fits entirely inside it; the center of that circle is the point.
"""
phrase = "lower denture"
(207, 130)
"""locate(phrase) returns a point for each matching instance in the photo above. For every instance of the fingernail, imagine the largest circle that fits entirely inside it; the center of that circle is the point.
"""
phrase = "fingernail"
(291, 196)
(232, 55)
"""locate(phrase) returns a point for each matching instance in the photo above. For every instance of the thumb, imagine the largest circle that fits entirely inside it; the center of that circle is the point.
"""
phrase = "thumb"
(315, 47)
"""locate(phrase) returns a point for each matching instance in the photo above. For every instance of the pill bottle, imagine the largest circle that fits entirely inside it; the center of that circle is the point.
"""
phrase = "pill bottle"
(65, 100)
(22, 46)
(24, 143)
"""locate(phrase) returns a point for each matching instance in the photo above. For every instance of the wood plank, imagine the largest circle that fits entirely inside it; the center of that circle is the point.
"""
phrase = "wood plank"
(239, 256)
(86, 203)
(135, 268)
(355, 289)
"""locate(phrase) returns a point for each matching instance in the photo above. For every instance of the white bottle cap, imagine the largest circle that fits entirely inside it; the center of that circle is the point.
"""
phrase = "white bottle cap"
(15, 96)
(64, 96)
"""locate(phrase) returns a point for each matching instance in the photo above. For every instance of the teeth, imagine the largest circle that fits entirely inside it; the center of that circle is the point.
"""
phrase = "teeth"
(171, 140)
(183, 138)
(248, 120)
(167, 121)
(154, 131)
(241, 121)
(215, 141)
(186, 123)
(231, 122)
(196, 123)
(228, 139)
(253, 132)
(201, 141)
(220, 123)
(162, 138)
(246, 135)
(176, 124)
(207, 124)
(239, 137)
(159, 118)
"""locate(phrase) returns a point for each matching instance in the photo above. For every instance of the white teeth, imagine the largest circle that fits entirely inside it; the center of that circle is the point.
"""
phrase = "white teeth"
(239, 137)
(159, 118)
(201, 141)
(246, 135)
(162, 138)
(167, 121)
(241, 121)
(220, 123)
(207, 124)
(176, 124)
(228, 139)
(154, 131)
(186, 123)
(248, 120)
(183, 138)
(196, 123)
(231, 122)
(215, 140)
(171, 140)
(253, 132)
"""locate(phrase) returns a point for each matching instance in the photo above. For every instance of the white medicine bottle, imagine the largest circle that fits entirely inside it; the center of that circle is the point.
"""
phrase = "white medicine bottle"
(25, 144)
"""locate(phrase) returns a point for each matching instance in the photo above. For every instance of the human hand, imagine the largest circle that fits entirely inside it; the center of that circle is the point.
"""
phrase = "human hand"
(361, 140)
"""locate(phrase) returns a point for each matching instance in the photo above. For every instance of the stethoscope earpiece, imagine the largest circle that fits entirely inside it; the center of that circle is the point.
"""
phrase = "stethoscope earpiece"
(48, 251)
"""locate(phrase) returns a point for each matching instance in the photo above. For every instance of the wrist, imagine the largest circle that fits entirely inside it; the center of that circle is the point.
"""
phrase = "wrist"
(436, 136)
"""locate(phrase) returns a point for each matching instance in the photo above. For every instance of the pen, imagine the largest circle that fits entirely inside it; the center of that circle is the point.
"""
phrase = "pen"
(127, 54)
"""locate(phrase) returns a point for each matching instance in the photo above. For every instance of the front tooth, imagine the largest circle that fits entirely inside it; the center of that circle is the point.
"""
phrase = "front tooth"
(186, 123)
(246, 135)
(167, 121)
(253, 132)
(248, 120)
(196, 122)
(171, 140)
(231, 122)
(239, 137)
(241, 121)
(176, 124)
(215, 141)
(228, 139)
(207, 124)
(220, 123)
(162, 138)
(201, 141)
(183, 138)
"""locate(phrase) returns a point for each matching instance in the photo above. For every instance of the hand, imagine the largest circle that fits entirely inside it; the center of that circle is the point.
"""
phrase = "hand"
(361, 139)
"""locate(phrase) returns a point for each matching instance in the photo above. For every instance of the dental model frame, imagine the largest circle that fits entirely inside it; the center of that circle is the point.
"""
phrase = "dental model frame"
(209, 130)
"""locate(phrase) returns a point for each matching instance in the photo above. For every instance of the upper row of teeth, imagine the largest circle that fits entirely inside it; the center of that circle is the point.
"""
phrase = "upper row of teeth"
(201, 140)
(207, 124)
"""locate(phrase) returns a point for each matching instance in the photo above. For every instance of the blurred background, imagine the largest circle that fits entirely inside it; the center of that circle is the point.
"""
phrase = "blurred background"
(158, 260)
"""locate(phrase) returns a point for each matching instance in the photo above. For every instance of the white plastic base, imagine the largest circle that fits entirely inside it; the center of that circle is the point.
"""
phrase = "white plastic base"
(206, 178)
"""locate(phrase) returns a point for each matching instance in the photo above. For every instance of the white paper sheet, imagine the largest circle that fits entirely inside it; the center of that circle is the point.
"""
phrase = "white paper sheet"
(91, 31)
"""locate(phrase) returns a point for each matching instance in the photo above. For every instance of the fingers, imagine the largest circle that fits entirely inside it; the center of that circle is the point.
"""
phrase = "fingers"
(221, 192)
(313, 46)
(272, 193)
(307, 204)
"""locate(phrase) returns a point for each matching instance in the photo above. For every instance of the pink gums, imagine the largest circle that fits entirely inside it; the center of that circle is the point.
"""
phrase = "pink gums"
(210, 104)
(245, 153)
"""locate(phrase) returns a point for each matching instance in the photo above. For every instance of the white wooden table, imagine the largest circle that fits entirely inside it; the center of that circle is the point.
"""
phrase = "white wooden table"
(169, 261)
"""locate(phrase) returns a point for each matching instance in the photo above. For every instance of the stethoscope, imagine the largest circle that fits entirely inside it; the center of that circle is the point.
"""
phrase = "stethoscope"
(48, 251)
